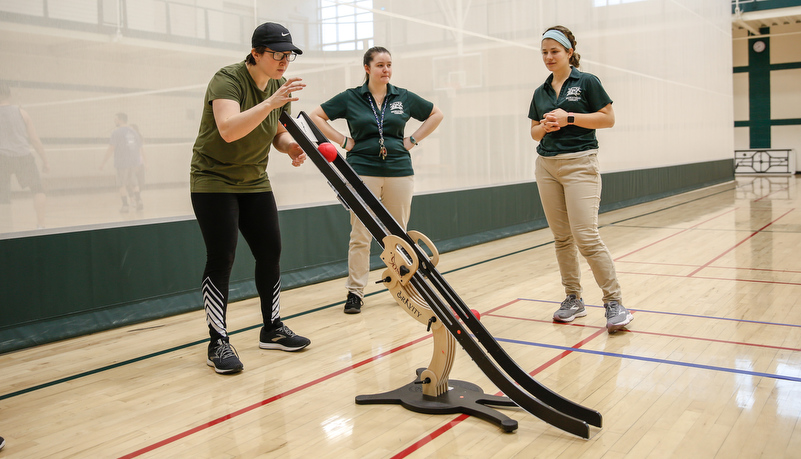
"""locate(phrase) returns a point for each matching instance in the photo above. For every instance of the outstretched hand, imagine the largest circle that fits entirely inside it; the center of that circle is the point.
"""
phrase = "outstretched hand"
(285, 93)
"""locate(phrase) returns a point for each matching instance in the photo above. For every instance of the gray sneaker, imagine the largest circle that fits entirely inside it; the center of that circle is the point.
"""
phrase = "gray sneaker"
(617, 316)
(571, 308)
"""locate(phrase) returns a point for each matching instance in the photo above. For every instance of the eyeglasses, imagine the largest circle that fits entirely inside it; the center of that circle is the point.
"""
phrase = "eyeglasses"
(279, 56)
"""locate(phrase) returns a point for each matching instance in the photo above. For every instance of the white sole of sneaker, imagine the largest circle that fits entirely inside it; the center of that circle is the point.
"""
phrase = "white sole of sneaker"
(223, 372)
(613, 328)
(281, 347)
(570, 319)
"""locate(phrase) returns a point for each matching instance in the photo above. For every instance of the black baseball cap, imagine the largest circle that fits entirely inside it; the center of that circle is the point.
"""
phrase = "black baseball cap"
(274, 36)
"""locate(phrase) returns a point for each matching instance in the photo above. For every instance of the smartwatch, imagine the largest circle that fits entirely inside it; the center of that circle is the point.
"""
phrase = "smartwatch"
(570, 118)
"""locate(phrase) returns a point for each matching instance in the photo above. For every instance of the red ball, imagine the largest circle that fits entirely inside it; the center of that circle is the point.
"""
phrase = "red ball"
(476, 313)
(328, 151)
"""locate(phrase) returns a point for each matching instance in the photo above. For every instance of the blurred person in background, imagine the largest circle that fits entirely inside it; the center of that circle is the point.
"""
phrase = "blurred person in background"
(126, 146)
(17, 140)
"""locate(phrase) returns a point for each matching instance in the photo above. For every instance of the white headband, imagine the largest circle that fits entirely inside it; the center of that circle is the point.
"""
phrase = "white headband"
(554, 34)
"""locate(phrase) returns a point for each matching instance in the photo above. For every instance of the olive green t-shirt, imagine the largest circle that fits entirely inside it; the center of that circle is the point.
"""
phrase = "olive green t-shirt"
(239, 166)
(399, 105)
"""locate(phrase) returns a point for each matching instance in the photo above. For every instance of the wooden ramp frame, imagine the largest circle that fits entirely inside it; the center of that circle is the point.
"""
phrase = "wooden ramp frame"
(416, 285)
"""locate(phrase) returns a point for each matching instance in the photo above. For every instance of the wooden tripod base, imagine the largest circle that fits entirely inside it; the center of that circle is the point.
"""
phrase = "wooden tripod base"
(461, 397)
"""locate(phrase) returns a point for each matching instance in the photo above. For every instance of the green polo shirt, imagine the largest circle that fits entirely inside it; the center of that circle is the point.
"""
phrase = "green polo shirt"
(581, 93)
(399, 105)
(240, 166)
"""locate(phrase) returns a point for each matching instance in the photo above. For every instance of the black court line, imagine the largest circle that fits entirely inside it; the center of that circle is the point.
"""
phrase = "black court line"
(204, 340)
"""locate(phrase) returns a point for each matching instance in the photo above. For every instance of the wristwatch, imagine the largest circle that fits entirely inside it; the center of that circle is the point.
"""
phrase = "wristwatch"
(570, 118)
(411, 139)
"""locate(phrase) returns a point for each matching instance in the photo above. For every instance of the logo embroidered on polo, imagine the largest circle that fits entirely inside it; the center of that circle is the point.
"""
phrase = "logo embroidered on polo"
(396, 108)
(573, 94)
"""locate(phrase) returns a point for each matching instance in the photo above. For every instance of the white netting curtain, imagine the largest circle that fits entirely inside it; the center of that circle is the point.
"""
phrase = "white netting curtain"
(72, 65)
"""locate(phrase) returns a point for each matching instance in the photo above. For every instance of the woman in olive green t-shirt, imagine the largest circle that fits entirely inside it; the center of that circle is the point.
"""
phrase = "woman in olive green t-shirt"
(231, 191)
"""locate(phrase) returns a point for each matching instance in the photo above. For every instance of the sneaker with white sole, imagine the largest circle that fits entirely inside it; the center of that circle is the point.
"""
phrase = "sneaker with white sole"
(282, 338)
(223, 357)
(617, 316)
(571, 308)
(353, 304)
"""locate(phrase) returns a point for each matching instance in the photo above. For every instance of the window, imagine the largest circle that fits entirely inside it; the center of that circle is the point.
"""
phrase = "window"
(344, 27)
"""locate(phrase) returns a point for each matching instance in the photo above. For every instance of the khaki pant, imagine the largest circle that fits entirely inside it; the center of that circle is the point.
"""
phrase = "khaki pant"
(396, 195)
(570, 190)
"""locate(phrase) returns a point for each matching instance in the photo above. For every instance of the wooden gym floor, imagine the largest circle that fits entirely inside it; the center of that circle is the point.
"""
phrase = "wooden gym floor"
(710, 367)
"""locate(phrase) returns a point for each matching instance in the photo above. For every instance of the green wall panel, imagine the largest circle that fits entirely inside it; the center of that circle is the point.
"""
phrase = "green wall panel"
(759, 93)
(63, 285)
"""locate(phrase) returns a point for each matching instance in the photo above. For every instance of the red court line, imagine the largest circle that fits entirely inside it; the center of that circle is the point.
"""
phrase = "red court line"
(772, 192)
(738, 268)
(640, 332)
(738, 244)
(683, 276)
(457, 420)
(502, 306)
(676, 234)
(428, 438)
(252, 407)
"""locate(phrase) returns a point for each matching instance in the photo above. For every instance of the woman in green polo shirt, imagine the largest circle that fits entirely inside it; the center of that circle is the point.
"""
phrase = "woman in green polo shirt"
(231, 191)
(378, 150)
(565, 112)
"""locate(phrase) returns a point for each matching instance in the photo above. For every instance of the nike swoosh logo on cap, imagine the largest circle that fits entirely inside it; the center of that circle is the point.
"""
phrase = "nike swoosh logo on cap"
(284, 34)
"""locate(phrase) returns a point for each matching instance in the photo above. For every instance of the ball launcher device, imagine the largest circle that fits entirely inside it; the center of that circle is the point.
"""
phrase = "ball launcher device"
(412, 278)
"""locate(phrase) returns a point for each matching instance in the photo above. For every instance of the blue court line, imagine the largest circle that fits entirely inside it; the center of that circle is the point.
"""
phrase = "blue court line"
(778, 324)
(653, 360)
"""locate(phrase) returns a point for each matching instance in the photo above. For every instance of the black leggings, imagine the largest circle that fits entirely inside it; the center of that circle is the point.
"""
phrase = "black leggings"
(221, 216)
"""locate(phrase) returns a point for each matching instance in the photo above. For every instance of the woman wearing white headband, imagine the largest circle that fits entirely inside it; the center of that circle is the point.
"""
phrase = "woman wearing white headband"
(565, 112)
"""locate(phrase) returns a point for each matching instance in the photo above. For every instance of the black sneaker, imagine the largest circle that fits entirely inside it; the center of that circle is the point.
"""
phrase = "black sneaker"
(353, 305)
(223, 357)
(282, 338)
(2, 442)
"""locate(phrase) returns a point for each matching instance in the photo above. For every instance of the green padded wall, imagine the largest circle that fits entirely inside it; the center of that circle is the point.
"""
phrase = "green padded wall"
(58, 286)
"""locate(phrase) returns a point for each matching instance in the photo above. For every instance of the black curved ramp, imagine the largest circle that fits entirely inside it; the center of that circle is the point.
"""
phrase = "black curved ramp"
(503, 359)
(515, 392)
(524, 390)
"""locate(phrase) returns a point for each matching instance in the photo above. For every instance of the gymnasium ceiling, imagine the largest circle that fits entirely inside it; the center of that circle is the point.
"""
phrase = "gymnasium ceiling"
(754, 20)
